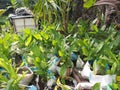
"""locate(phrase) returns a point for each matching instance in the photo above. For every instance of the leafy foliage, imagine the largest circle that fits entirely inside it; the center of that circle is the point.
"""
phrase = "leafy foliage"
(91, 42)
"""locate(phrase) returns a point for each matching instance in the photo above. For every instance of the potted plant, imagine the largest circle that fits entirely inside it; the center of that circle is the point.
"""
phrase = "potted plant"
(9, 79)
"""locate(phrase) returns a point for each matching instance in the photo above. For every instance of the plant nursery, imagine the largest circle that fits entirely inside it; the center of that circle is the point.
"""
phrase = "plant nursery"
(59, 44)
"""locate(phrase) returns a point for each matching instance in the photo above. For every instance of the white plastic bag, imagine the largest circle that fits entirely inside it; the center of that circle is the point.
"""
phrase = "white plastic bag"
(53, 63)
(104, 80)
(79, 63)
(84, 85)
(51, 82)
(85, 73)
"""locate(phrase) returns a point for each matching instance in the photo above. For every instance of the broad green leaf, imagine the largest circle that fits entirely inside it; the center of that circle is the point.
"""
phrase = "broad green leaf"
(62, 71)
(111, 54)
(44, 35)
(41, 49)
(99, 47)
(27, 31)
(5, 45)
(29, 39)
(8, 67)
(88, 3)
(86, 42)
(85, 51)
(9, 84)
(35, 50)
(81, 43)
(115, 42)
(114, 67)
(95, 67)
(115, 86)
(13, 2)
(1, 40)
(94, 27)
(96, 86)
(3, 78)
(54, 42)
(15, 37)
(2, 11)
(54, 4)
(107, 59)
(60, 53)
(119, 57)
(2, 64)
(37, 36)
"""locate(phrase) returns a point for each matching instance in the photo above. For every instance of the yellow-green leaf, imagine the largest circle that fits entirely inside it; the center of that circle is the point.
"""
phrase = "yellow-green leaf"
(54, 42)
(2, 11)
(60, 53)
(29, 39)
(114, 67)
(44, 35)
(38, 36)
(88, 3)
(96, 86)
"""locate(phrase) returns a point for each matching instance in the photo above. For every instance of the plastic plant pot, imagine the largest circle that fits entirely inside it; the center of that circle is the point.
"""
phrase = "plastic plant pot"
(26, 79)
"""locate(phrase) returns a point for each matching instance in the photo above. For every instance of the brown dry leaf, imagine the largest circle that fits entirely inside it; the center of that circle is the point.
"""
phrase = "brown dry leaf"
(107, 2)
(112, 10)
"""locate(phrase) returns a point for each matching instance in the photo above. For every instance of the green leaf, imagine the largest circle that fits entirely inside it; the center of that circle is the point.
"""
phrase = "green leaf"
(9, 85)
(85, 51)
(2, 11)
(111, 54)
(60, 53)
(8, 67)
(63, 71)
(2, 78)
(88, 3)
(114, 67)
(54, 4)
(29, 39)
(94, 27)
(27, 31)
(44, 35)
(54, 42)
(96, 86)
(37, 36)
(13, 2)
(35, 50)
(116, 87)
(99, 47)
(95, 67)
(41, 49)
